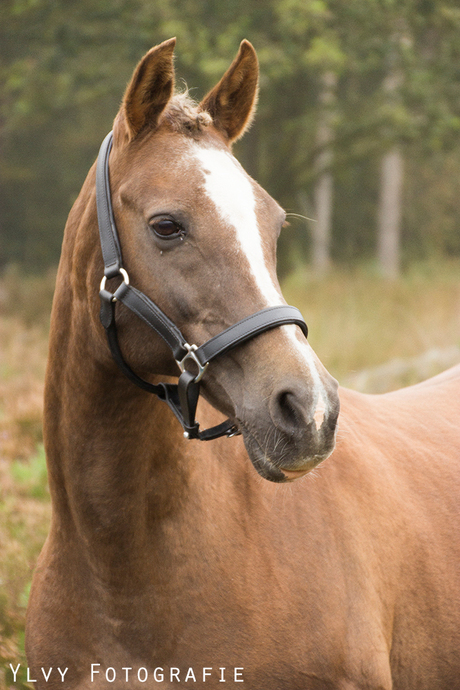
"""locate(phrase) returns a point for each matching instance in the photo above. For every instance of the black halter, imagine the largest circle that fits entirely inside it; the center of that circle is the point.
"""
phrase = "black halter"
(182, 398)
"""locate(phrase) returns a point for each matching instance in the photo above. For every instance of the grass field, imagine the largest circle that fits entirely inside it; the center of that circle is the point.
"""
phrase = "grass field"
(370, 334)
(358, 321)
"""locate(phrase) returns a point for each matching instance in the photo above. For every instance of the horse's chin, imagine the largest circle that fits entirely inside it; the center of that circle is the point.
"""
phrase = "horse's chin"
(261, 462)
(268, 469)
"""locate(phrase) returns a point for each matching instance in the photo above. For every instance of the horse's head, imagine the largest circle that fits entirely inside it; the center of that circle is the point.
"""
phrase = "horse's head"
(199, 237)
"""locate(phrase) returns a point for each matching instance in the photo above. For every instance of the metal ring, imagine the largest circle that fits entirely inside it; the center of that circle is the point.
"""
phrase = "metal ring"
(125, 276)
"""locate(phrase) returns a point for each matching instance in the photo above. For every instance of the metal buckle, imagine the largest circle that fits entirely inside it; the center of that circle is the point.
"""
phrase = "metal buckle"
(192, 356)
(233, 431)
(125, 276)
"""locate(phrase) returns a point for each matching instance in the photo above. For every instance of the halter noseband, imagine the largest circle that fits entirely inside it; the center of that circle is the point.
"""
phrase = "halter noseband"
(182, 397)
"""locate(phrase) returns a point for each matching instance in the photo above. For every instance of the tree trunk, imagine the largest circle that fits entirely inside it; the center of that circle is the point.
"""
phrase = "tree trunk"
(324, 188)
(389, 214)
(391, 176)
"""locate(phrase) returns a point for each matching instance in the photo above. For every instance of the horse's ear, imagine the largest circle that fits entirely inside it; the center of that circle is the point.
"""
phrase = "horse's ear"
(150, 89)
(231, 103)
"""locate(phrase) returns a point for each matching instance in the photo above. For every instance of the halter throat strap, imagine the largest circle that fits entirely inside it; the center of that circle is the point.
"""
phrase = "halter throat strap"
(182, 398)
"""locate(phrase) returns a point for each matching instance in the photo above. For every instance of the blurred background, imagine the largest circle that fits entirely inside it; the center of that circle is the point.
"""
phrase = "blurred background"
(357, 135)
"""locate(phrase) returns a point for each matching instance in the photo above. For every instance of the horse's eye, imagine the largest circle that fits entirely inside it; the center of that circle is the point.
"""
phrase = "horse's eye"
(166, 228)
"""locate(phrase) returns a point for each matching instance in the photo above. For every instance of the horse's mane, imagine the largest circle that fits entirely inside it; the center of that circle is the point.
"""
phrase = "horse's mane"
(185, 115)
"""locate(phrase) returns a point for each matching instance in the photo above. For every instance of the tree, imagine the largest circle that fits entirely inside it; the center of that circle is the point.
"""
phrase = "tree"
(323, 192)
(391, 181)
(64, 67)
(389, 213)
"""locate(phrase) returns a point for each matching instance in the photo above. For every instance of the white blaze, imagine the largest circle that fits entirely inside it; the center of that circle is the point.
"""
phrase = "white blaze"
(229, 188)
(319, 395)
(231, 191)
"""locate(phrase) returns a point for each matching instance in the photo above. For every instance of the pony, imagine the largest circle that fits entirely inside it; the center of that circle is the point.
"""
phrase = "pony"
(175, 560)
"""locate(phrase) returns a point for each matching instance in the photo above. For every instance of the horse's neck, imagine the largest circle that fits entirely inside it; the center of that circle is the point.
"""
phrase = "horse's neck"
(117, 457)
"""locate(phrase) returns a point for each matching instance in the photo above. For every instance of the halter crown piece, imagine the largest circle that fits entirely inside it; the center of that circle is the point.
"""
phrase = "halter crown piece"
(192, 360)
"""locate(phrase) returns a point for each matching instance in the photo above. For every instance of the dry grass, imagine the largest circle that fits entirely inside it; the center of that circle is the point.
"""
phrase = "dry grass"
(23, 351)
(356, 320)
(24, 499)
(359, 321)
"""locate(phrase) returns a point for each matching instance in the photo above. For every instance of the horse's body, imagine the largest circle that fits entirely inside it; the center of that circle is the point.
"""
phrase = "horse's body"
(168, 554)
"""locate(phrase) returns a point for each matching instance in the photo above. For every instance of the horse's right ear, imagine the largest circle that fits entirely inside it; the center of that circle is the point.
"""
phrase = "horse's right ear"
(149, 90)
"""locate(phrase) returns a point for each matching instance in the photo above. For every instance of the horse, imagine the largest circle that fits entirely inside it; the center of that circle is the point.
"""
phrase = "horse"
(174, 557)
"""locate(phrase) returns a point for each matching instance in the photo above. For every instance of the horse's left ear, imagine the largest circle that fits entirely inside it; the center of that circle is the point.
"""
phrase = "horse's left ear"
(231, 103)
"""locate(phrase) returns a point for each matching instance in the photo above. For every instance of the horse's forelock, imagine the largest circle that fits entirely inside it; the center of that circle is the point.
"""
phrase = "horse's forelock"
(185, 115)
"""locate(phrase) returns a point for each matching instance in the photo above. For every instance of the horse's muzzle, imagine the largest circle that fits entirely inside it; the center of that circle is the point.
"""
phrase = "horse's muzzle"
(299, 431)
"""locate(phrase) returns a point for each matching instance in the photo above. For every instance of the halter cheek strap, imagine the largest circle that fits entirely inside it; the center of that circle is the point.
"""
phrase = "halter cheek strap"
(192, 360)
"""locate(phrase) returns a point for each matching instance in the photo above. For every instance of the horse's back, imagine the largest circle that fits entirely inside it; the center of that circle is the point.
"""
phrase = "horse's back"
(447, 379)
(413, 431)
(423, 416)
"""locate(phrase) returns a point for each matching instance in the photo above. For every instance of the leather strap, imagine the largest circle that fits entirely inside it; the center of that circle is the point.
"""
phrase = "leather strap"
(148, 311)
(111, 250)
(247, 328)
(109, 323)
(182, 403)
(189, 392)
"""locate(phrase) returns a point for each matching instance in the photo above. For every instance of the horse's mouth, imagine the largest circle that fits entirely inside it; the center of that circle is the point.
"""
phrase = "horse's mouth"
(275, 471)
(263, 464)
(292, 475)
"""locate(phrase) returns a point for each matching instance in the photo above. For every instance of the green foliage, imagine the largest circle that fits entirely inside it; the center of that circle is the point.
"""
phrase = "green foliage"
(31, 476)
(24, 519)
(64, 67)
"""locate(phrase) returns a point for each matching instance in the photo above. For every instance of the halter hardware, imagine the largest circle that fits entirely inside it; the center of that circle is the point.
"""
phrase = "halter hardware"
(125, 277)
(182, 398)
(191, 356)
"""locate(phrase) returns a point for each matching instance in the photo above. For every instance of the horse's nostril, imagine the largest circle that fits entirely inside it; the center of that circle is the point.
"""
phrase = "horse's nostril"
(304, 420)
(288, 408)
